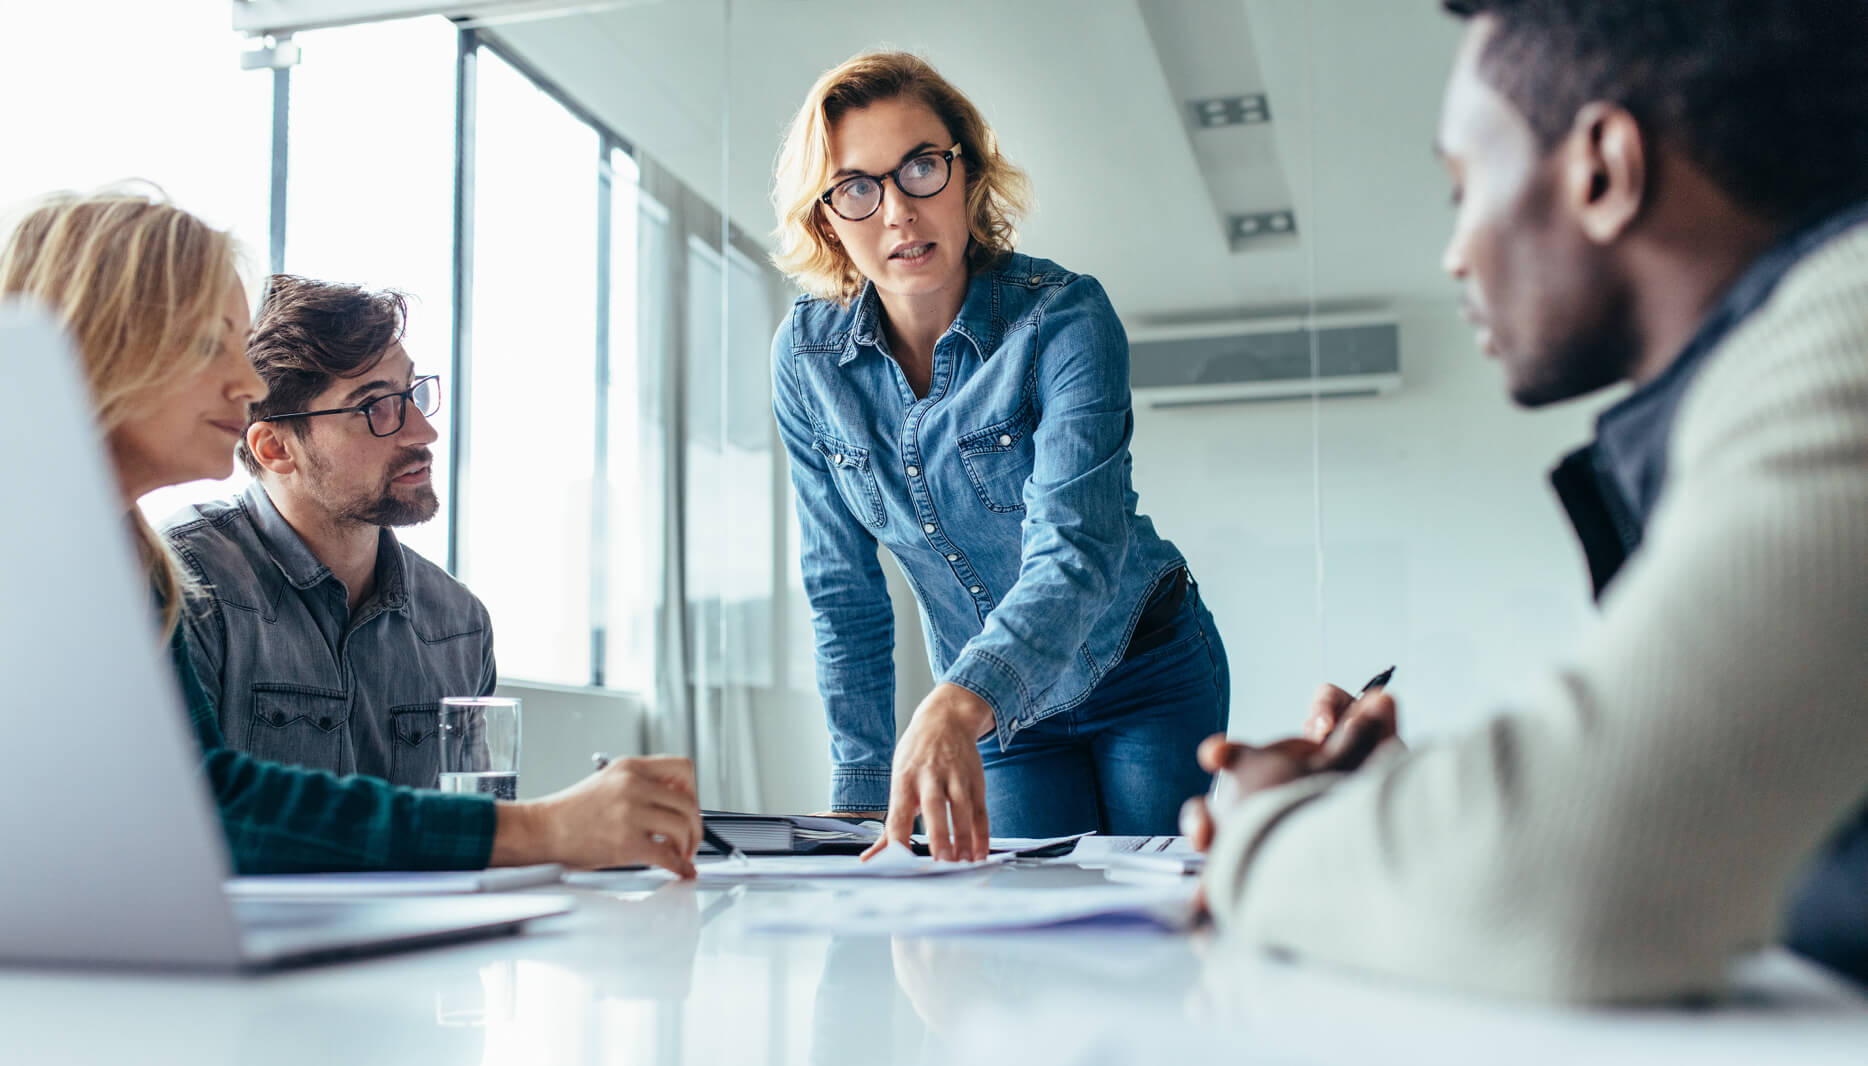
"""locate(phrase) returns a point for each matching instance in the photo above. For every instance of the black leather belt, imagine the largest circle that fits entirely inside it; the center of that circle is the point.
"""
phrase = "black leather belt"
(1156, 624)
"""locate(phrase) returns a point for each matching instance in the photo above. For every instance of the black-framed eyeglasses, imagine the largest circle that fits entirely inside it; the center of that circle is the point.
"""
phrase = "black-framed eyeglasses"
(858, 196)
(386, 415)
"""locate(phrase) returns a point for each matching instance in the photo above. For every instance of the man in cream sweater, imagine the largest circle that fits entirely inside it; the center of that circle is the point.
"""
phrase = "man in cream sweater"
(1672, 193)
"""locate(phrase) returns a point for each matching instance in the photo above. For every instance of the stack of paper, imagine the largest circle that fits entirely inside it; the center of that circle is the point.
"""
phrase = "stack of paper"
(789, 833)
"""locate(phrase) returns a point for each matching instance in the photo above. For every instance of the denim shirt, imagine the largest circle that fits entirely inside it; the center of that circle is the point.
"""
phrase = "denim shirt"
(296, 676)
(1004, 493)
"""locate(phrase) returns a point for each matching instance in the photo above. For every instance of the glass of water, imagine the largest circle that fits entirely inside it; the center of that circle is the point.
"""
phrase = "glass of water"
(480, 746)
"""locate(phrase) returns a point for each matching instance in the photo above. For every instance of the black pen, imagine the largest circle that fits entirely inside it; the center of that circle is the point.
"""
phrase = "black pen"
(713, 839)
(1378, 681)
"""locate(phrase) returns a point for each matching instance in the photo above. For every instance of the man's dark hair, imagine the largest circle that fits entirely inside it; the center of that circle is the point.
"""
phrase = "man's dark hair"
(309, 333)
(1769, 97)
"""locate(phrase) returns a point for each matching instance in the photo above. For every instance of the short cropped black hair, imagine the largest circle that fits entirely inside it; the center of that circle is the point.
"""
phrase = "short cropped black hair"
(1769, 97)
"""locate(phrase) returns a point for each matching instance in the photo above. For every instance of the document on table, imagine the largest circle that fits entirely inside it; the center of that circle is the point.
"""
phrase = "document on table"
(1021, 845)
(895, 861)
(393, 882)
(919, 910)
(1096, 852)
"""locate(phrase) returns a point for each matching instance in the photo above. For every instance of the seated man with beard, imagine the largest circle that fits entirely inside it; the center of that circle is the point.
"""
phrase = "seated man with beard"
(324, 642)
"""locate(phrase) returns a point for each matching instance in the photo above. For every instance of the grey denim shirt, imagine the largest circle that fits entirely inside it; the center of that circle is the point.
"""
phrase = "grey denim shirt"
(296, 677)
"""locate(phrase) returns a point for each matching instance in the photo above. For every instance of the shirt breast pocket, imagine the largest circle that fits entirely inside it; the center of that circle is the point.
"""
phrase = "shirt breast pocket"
(301, 726)
(856, 482)
(998, 460)
(415, 751)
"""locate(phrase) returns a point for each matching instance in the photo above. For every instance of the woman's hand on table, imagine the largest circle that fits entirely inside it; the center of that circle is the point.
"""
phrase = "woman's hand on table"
(938, 774)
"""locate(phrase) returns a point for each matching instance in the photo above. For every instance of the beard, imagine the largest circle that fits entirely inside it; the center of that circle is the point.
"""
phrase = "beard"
(386, 506)
(393, 511)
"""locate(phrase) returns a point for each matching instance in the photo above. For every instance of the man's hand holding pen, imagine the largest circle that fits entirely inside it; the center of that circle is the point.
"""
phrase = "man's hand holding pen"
(1340, 734)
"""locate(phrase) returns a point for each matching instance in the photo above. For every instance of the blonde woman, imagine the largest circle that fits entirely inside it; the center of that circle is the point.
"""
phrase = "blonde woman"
(967, 407)
(151, 299)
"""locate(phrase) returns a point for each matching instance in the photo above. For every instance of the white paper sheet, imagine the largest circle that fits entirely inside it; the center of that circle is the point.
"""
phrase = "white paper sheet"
(1018, 843)
(925, 910)
(1094, 852)
(893, 861)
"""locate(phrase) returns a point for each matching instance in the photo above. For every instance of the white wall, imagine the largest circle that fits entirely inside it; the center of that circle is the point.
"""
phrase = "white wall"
(1444, 549)
(561, 726)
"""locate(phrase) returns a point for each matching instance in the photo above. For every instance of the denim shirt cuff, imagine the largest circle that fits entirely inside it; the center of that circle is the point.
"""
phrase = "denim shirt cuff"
(859, 788)
(998, 683)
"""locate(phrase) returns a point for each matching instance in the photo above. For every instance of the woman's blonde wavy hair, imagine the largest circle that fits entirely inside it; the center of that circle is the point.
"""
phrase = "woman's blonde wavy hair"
(136, 283)
(997, 193)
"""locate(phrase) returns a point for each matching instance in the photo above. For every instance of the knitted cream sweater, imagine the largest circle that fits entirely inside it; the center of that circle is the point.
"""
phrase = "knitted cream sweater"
(1636, 817)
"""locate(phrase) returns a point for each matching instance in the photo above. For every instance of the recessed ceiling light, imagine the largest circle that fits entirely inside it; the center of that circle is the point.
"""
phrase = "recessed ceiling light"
(1218, 111)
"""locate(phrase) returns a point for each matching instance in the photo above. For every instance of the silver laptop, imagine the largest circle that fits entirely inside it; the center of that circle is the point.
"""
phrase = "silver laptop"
(113, 851)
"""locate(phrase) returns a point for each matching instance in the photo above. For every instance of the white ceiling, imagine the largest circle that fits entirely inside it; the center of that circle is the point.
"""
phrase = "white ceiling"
(1077, 94)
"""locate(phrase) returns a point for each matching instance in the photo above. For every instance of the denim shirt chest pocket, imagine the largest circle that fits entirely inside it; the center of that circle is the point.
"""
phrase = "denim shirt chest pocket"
(299, 725)
(415, 752)
(856, 481)
(998, 460)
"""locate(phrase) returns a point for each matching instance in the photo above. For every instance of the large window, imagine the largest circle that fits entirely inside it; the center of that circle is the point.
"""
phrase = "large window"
(369, 190)
(730, 463)
(526, 517)
(629, 586)
(197, 126)
(605, 459)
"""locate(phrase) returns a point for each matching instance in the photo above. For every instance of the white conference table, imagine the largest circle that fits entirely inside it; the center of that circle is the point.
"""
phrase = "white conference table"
(666, 973)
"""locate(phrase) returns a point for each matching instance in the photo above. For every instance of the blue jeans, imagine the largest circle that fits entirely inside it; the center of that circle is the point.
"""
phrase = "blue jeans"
(1121, 762)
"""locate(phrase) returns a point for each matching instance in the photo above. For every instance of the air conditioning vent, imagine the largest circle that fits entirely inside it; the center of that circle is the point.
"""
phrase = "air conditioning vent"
(1268, 359)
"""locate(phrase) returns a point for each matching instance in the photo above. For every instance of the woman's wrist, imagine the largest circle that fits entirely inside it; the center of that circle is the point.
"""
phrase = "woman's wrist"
(517, 836)
(963, 707)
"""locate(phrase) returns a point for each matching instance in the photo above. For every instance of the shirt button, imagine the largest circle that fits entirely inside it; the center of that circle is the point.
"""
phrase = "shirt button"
(1005, 439)
(914, 471)
(974, 590)
(1037, 279)
(278, 718)
(953, 558)
(927, 527)
(837, 458)
(324, 723)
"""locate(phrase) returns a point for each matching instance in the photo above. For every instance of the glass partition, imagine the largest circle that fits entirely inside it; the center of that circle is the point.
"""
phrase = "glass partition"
(1442, 548)
(1250, 180)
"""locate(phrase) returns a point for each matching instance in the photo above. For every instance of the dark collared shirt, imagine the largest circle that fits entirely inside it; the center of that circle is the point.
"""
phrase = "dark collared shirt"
(299, 678)
(1610, 489)
(1610, 486)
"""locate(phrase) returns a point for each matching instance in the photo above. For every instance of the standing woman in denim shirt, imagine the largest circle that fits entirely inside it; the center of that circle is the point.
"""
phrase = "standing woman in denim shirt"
(968, 408)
